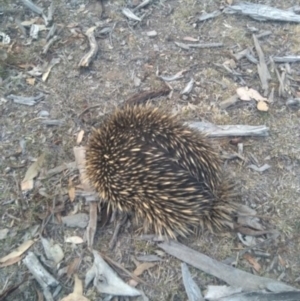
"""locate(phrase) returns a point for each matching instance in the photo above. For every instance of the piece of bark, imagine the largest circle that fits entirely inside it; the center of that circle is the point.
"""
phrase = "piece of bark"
(286, 59)
(230, 275)
(293, 103)
(229, 102)
(262, 12)
(41, 275)
(191, 288)
(33, 7)
(213, 130)
(262, 296)
(262, 68)
(106, 280)
(28, 101)
(77, 220)
(92, 227)
(143, 4)
(207, 16)
(79, 153)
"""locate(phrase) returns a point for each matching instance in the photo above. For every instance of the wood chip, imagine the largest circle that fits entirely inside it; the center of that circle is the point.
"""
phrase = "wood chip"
(253, 262)
(262, 106)
(74, 240)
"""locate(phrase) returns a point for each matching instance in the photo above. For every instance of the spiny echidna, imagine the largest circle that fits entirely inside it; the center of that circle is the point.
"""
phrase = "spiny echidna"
(146, 161)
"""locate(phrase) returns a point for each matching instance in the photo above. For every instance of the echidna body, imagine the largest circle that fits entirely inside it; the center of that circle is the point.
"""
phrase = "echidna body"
(144, 160)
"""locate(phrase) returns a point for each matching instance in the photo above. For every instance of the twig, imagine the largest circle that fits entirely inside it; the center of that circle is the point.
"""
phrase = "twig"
(111, 32)
(92, 227)
(87, 58)
(33, 7)
(286, 59)
(262, 68)
(188, 46)
(87, 109)
(120, 223)
(42, 276)
(145, 96)
(143, 4)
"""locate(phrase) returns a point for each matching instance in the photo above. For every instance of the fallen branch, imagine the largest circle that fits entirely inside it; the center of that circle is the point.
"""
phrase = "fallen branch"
(230, 130)
(230, 275)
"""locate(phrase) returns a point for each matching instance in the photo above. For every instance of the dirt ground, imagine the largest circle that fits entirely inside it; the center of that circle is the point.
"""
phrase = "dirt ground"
(127, 63)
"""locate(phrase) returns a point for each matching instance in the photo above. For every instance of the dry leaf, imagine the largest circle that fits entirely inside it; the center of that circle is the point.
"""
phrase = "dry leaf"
(10, 261)
(74, 240)
(32, 172)
(30, 81)
(18, 251)
(143, 267)
(262, 106)
(34, 169)
(71, 191)
(247, 94)
(27, 185)
(79, 137)
(49, 68)
(253, 262)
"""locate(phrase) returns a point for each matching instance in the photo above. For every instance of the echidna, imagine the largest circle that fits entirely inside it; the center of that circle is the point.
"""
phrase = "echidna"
(146, 161)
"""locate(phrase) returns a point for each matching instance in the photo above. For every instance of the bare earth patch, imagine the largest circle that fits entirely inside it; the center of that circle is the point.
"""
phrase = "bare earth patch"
(130, 61)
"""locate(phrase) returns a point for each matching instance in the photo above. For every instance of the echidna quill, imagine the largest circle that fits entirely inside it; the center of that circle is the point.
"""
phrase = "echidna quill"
(145, 161)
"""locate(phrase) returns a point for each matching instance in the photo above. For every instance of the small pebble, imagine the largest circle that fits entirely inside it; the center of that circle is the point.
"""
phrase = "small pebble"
(43, 114)
(152, 34)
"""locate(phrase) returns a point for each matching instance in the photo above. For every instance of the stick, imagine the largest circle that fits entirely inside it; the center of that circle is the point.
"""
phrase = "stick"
(87, 58)
(230, 275)
(230, 130)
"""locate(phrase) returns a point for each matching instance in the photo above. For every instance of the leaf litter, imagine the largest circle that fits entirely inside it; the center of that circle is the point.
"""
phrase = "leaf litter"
(61, 174)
